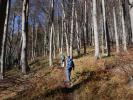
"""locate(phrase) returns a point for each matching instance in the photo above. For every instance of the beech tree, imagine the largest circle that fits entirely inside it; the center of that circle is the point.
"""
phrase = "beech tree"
(3, 48)
(65, 29)
(131, 15)
(95, 30)
(85, 24)
(3, 30)
(51, 34)
(116, 32)
(124, 35)
(3, 4)
(72, 30)
(24, 62)
(105, 33)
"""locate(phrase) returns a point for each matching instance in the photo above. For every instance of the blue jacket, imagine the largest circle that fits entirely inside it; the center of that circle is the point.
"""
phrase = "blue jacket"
(70, 63)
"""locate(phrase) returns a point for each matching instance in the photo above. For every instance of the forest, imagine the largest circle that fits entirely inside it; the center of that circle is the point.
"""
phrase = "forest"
(66, 49)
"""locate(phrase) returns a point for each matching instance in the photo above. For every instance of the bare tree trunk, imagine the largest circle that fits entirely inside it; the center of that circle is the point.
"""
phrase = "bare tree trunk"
(54, 45)
(24, 62)
(66, 38)
(36, 36)
(45, 42)
(77, 35)
(51, 45)
(123, 29)
(116, 33)
(71, 35)
(85, 20)
(105, 34)
(51, 35)
(58, 30)
(3, 48)
(95, 30)
(3, 5)
(65, 29)
(131, 15)
(62, 38)
(58, 39)
(32, 50)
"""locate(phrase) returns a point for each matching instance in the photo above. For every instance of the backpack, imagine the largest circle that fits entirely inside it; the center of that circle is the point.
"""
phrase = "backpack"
(70, 64)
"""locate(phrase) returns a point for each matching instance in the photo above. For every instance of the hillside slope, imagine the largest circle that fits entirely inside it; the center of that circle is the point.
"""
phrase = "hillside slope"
(104, 79)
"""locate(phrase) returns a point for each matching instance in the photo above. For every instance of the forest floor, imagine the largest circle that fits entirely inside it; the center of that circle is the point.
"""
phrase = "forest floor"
(109, 78)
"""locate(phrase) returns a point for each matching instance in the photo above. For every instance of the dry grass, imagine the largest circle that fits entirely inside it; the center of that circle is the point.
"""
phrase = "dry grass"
(104, 79)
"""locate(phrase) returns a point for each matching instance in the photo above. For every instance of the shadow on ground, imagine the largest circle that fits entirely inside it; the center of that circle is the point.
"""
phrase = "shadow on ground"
(70, 90)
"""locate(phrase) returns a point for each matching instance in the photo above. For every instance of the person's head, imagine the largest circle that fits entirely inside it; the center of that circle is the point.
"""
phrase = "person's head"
(68, 57)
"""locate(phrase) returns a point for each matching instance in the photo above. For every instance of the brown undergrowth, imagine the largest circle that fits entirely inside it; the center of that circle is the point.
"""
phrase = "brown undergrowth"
(105, 79)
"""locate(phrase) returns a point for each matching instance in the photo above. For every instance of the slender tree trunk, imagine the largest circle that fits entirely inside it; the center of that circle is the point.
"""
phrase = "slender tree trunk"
(51, 35)
(77, 35)
(66, 38)
(32, 50)
(116, 33)
(36, 37)
(51, 45)
(58, 30)
(85, 36)
(54, 45)
(3, 5)
(45, 42)
(131, 15)
(24, 62)
(103, 35)
(3, 51)
(58, 39)
(105, 29)
(95, 30)
(65, 30)
(62, 38)
(123, 29)
(71, 35)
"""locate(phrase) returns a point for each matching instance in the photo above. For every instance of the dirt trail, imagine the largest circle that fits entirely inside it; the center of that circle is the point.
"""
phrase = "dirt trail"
(60, 89)
(63, 87)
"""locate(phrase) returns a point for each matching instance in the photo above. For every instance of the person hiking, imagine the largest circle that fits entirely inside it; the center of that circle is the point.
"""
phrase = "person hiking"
(69, 67)
(62, 60)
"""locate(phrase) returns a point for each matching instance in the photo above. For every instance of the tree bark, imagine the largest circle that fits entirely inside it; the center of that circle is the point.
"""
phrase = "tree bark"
(77, 34)
(123, 29)
(65, 29)
(95, 30)
(116, 33)
(62, 36)
(45, 43)
(54, 44)
(51, 35)
(51, 45)
(71, 35)
(3, 48)
(32, 49)
(131, 15)
(3, 5)
(36, 39)
(105, 34)
(85, 36)
(24, 62)
(66, 38)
